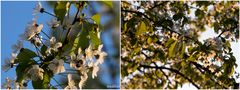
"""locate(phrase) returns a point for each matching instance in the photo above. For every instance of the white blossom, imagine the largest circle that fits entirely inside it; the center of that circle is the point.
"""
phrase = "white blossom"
(77, 61)
(84, 78)
(218, 73)
(32, 29)
(57, 66)
(95, 70)
(53, 45)
(18, 46)
(9, 62)
(142, 56)
(124, 53)
(37, 40)
(141, 10)
(71, 83)
(37, 9)
(35, 73)
(101, 55)
(8, 84)
(89, 53)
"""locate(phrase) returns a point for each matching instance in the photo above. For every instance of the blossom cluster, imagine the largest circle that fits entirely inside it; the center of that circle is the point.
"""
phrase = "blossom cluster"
(83, 61)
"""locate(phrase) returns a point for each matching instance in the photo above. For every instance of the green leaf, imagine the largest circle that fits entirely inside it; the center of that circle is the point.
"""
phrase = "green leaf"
(191, 58)
(68, 48)
(96, 18)
(94, 38)
(81, 40)
(43, 50)
(167, 23)
(25, 55)
(161, 55)
(231, 71)
(177, 16)
(183, 49)
(60, 10)
(171, 51)
(185, 20)
(136, 50)
(43, 84)
(149, 40)
(169, 42)
(108, 3)
(216, 27)
(142, 28)
(199, 13)
(124, 28)
(183, 64)
(22, 69)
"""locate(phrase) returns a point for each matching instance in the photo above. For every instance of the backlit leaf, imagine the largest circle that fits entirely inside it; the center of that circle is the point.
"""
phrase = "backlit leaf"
(94, 38)
(22, 69)
(25, 55)
(172, 51)
(43, 84)
(96, 18)
(169, 42)
(108, 3)
(142, 28)
(149, 40)
(183, 49)
(60, 10)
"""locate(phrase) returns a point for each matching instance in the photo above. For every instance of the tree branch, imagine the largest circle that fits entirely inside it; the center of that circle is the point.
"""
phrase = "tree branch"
(172, 70)
(74, 21)
(199, 67)
(150, 19)
(156, 5)
(138, 13)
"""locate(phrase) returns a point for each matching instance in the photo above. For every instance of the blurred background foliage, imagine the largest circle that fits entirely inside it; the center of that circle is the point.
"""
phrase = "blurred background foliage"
(160, 46)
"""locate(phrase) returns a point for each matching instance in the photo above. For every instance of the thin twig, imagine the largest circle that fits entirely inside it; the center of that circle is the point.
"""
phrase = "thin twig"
(74, 21)
(37, 50)
(199, 67)
(156, 5)
(173, 70)
(138, 13)
(40, 39)
(45, 34)
(49, 13)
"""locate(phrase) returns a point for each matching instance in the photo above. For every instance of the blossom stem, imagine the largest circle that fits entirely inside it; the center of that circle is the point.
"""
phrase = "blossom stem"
(45, 34)
(74, 21)
(45, 39)
(37, 50)
(49, 13)
(40, 39)
(57, 82)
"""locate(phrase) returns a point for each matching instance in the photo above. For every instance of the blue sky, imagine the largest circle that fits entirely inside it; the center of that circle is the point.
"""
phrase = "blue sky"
(14, 18)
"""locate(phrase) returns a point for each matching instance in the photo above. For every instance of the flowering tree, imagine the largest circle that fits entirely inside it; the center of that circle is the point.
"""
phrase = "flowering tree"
(160, 46)
(74, 41)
